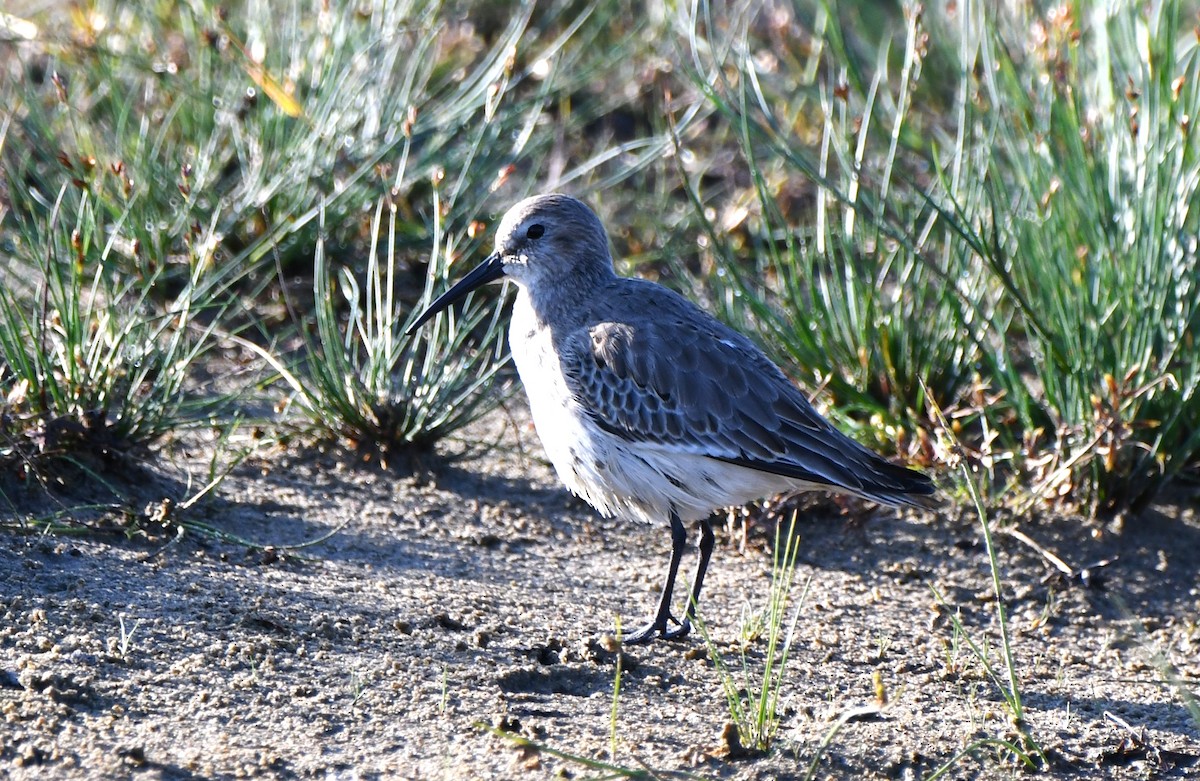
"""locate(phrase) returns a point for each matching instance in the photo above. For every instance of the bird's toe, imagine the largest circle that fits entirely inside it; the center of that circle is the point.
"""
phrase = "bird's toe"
(659, 627)
(680, 632)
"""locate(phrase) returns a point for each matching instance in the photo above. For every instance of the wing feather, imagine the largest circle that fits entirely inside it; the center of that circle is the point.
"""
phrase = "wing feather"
(693, 384)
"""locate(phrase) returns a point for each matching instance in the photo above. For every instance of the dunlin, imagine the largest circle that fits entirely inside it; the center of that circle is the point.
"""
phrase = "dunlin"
(647, 406)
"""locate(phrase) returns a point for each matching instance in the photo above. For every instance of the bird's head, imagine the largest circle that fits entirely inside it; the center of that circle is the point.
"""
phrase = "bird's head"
(550, 242)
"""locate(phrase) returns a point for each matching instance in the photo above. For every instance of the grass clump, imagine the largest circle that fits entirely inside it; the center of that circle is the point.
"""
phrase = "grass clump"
(753, 696)
(362, 380)
(1025, 243)
(824, 253)
(91, 366)
(1087, 196)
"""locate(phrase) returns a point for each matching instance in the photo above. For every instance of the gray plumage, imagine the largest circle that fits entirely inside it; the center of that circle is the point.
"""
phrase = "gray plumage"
(685, 380)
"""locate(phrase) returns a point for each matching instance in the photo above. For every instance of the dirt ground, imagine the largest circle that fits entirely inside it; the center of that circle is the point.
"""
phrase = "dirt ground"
(488, 596)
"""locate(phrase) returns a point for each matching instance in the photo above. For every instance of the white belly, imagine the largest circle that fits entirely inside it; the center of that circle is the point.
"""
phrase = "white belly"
(638, 480)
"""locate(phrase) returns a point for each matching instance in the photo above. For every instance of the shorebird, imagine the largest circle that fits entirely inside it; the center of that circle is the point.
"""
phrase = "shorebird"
(649, 407)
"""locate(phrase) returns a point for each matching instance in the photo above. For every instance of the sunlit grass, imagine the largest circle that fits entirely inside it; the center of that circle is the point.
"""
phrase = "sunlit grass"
(1086, 204)
(90, 366)
(368, 383)
(753, 689)
(231, 158)
(826, 252)
(1027, 252)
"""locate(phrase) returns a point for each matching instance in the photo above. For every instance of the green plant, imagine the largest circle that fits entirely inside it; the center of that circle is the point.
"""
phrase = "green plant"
(616, 698)
(1007, 682)
(89, 365)
(753, 695)
(124, 643)
(360, 684)
(1027, 249)
(208, 140)
(233, 127)
(826, 254)
(369, 383)
(115, 280)
(1169, 674)
(1087, 200)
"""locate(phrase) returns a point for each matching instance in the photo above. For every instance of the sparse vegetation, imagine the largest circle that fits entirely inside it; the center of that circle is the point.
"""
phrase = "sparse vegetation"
(1024, 746)
(91, 364)
(754, 688)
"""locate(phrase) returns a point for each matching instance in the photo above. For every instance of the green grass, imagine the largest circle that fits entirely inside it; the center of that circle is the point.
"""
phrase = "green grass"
(1086, 200)
(752, 693)
(1005, 674)
(177, 177)
(91, 366)
(368, 383)
(822, 254)
(616, 699)
(1008, 227)
(930, 211)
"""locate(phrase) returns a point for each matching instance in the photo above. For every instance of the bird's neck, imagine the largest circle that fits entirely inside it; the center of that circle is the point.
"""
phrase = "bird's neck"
(563, 302)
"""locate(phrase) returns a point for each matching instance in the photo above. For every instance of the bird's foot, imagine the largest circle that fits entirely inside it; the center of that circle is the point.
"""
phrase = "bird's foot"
(660, 627)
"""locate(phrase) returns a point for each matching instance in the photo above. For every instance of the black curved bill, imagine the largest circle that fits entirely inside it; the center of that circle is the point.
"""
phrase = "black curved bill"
(491, 269)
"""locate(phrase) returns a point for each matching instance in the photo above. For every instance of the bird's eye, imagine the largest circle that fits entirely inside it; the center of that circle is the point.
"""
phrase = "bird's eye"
(535, 231)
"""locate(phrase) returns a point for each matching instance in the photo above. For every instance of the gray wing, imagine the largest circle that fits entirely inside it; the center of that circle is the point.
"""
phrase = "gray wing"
(693, 384)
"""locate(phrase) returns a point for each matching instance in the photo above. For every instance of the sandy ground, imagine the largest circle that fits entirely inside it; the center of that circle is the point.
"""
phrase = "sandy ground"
(488, 596)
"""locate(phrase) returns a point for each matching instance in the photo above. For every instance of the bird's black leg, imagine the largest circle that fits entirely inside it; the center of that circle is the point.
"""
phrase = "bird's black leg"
(707, 539)
(663, 617)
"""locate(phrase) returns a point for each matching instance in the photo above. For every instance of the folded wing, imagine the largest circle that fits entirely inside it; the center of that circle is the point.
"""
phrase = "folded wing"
(691, 383)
